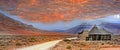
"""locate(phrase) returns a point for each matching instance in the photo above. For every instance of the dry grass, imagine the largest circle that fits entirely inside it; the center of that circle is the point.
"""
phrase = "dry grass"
(114, 44)
(15, 41)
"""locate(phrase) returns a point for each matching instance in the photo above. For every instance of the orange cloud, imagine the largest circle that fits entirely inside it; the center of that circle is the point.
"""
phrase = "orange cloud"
(33, 2)
(78, 1)
(51, 11)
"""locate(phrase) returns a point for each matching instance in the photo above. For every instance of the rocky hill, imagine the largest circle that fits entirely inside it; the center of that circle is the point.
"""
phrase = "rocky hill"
(112, 27)
(11, 26)
(8, 25)
(79, 28)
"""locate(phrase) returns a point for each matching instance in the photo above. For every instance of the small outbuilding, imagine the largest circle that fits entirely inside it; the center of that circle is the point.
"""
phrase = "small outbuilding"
(83, 34)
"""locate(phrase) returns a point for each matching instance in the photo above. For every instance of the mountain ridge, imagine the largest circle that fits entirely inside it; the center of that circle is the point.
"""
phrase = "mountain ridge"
(111, 27)
(13, 27)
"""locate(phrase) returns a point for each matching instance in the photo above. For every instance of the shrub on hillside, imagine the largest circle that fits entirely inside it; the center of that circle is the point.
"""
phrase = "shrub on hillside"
(82, 44)
(32, 39)
(68, 47)
(66, 40)
(18, 44)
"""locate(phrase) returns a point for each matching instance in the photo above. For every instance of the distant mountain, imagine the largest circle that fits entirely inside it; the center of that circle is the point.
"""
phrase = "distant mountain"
(11, 26)
(112, 27)
(79, 28)
(7, 21)
(57, 30)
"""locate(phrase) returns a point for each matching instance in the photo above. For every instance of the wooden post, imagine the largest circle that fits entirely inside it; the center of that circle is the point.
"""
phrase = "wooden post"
(96, 37)
(101, 37)
(104, 37)
(107, 37)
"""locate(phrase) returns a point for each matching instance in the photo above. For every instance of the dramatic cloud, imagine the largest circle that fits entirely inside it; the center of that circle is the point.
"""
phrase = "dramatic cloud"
(50, 11)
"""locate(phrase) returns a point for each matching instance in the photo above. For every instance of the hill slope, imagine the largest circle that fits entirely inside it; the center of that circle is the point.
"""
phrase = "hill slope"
(11, 26)
(112, 27)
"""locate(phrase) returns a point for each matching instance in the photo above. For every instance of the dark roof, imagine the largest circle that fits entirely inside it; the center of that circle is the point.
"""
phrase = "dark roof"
(96, 30)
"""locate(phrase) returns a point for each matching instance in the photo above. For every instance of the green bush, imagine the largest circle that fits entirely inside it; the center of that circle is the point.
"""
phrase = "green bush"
(68, 47)
(80, 49)
(32, 39)
(102, 43)
(66, 40)
(18, 44)
(83, 44)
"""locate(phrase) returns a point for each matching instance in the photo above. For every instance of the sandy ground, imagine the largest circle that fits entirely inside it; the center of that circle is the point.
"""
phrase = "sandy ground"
(110, 49)
(43, 46)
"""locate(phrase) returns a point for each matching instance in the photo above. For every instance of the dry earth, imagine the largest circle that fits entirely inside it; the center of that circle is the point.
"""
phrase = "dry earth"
(77, 44)
(10, 42)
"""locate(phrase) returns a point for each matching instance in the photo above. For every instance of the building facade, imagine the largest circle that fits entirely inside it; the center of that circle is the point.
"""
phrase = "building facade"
(95, 34)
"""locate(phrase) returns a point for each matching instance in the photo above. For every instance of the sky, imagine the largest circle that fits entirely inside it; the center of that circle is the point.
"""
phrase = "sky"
(63, 25)
(61, 14)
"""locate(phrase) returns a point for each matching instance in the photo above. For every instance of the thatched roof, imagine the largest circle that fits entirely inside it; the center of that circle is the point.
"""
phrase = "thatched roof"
(96, 30)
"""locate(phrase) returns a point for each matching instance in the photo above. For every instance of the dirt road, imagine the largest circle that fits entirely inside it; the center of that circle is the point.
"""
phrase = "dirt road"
(43, 46)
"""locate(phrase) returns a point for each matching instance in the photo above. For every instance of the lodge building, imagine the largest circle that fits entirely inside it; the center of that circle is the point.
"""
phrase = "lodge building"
(95, 34)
